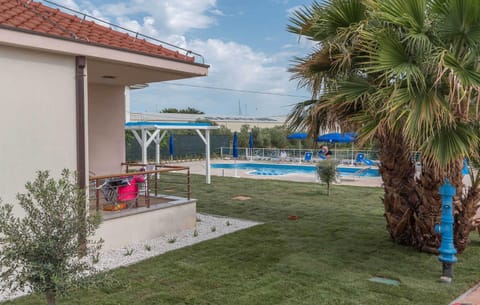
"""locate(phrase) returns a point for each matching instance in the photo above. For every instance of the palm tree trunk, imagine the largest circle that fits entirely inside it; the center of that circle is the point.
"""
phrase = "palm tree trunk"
(464, 203)
(400, 198)
(413, 206)
(463, 219)
(429, 210)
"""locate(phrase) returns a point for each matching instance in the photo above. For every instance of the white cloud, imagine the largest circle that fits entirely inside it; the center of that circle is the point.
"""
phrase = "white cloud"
(302, 43)
(182, 16)
(70, 4)
(147, 27)
(217, 12)
(85, 7)
(159, 16)
(232, 65)
(236, 64)
(120, 9)
(291, 10)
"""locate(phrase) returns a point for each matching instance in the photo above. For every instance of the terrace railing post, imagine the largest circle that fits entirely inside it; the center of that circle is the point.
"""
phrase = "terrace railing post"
(156, 181)
(148, 174)
(147, 193)
(188, 184)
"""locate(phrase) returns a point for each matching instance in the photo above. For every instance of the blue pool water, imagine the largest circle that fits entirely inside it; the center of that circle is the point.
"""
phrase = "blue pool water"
(284, 169)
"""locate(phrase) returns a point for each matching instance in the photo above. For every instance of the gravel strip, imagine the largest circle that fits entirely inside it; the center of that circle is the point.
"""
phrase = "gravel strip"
(208, 227)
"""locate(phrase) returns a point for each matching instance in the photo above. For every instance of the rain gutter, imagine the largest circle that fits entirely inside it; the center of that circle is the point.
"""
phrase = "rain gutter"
(80, 63)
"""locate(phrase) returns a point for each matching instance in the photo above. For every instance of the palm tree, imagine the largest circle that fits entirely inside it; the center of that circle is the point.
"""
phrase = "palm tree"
(406, 73)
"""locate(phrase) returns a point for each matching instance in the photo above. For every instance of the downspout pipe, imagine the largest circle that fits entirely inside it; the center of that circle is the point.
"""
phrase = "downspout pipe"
(80, 63)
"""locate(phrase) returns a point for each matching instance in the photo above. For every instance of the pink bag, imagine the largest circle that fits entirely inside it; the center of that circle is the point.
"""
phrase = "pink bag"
(130, 192)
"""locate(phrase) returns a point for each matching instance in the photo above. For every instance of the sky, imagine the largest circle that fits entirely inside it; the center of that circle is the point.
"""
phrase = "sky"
(245, 42)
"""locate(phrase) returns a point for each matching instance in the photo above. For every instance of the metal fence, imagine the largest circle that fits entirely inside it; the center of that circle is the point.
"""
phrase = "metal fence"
(274, 154)
(185, 147)
(138, 188)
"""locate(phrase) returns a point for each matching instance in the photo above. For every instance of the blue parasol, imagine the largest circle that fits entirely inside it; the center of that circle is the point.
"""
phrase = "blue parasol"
(235, 151)
(235, 146)
(170, 146)
(250, 145)
(336, 137)
(297, 136)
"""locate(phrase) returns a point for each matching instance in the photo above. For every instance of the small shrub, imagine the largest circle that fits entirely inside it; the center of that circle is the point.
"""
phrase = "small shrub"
(195, 233)
(199, 220)
(172, 239)
(128, 252)
(227, 223)
(327, 172)
(147, 247)
(213, 229)
(45, 249)
(95, 258)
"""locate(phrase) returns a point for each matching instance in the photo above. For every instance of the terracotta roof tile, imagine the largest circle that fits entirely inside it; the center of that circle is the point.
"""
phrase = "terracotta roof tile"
(33, 16)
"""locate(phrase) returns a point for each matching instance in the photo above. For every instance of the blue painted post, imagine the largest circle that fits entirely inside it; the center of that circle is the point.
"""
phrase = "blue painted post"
(445, 229)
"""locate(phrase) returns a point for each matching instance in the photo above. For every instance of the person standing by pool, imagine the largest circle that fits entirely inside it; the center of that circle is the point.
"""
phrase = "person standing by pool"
(326, 152)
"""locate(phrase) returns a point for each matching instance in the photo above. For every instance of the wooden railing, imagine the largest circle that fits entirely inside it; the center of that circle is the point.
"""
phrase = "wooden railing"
(148, 184)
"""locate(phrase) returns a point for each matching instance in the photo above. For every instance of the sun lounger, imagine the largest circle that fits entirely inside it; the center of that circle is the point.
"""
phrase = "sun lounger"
(361, 159)
(308, 156)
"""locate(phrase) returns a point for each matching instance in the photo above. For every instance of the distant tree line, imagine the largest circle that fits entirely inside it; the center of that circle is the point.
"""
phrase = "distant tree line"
(189, 110)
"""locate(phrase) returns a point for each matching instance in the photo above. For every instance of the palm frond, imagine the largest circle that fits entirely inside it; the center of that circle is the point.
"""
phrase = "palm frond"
(302, 20)
(427, 113)
(404, 13)
(342, 13)
(449, 144)
(457, 22)
(299, 117)
(463, 68)
(404, 67)
(393, 62)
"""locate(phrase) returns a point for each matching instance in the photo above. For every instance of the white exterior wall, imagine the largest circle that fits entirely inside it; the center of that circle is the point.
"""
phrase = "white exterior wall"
(37, 125)
(237, 125)
(155, 222)
(106, 129)
(127, 104)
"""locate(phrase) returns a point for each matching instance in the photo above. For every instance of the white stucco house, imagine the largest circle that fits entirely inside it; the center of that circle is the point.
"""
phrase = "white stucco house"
(64, 83)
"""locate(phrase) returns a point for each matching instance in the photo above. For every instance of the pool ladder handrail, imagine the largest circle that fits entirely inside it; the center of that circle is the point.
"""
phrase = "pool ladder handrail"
(360, 171)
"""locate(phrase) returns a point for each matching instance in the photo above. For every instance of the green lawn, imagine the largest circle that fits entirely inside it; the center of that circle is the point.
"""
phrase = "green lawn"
(325, 257)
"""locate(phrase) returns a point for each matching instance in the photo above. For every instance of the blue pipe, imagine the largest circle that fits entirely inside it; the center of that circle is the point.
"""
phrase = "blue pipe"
(445, 229)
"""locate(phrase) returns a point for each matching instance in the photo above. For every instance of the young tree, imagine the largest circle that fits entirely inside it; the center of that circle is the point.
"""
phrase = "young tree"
(278, 137)
(244, 136)
(327, 172)
(41, 250)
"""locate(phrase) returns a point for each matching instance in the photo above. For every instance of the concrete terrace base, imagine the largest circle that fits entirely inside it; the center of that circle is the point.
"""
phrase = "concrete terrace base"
(133, 225)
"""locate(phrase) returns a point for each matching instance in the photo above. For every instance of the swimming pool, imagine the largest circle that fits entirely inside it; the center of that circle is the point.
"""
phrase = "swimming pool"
(262, 169)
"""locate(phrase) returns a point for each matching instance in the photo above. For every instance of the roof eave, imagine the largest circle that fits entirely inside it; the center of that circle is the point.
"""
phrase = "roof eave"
(70, 46)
